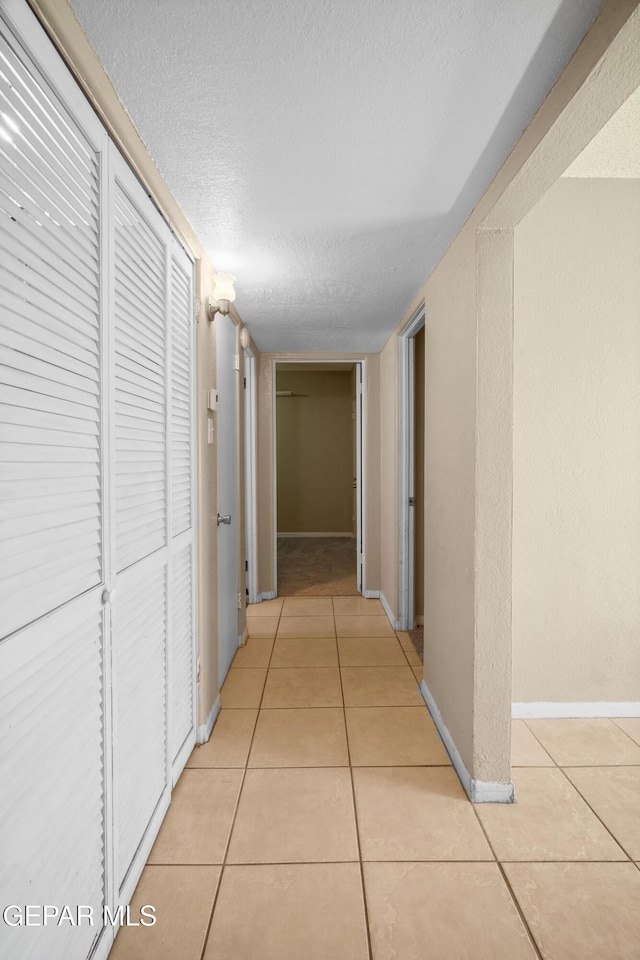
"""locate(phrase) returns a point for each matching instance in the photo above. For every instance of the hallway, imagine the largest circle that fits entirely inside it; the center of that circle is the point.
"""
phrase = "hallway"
(325, 777)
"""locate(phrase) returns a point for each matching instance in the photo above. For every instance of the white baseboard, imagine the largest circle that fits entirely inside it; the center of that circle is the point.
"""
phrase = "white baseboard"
(245, 636)
(266, 595)
(320, 534)
(203, 731)
(395, 623)
(478, 791)
(550, 710)
(371, 594)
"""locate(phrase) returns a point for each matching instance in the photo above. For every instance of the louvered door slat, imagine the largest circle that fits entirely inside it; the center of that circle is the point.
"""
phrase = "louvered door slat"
(181, 651)
(181, 338)
(24, 330)
(22, 243)
(50, 419)
(43, 133)
(139, 297)
(22, 193)
(51, 833)
(21, 295)
(139, 680)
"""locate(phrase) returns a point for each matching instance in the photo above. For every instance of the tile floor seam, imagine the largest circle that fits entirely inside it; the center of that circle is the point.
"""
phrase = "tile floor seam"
(596, 815)
(510, 891)
(237, 807)
(520, 912)
(355, 820)
(537, 740)
(622, 730)
(614, 720)
(224, 861)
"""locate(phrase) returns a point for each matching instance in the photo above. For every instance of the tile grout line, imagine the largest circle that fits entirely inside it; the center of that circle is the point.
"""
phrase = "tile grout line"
(598, 818)
(510, 891)
(355, 811)
(237, 807)
(406, 657)
(621, 729)
(539, 742)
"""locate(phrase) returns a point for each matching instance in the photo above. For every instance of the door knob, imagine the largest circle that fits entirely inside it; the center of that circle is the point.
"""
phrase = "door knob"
(226, 519)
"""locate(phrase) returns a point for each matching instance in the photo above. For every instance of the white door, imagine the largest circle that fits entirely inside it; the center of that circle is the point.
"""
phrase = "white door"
(227, 439)
(359, 523)
(53, 558)
(140, 483)
(97, 629)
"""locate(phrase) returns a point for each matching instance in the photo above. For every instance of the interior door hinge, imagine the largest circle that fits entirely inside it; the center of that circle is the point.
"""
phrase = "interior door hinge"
(246, 566)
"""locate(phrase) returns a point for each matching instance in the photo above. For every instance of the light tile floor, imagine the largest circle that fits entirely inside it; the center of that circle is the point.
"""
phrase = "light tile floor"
(323, 820)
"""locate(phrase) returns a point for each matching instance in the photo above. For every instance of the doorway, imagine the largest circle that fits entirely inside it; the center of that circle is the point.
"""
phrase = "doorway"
(318, 469)
(411, 366)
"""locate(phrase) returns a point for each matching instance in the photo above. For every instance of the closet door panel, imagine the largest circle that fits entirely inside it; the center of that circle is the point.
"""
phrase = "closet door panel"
(51, 385)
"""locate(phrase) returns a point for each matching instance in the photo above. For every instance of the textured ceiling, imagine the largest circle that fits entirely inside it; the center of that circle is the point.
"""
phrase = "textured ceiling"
(615, 151)
(327, 151)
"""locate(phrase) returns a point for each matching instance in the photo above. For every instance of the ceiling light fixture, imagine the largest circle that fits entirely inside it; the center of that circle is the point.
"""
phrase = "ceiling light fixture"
(223, 295)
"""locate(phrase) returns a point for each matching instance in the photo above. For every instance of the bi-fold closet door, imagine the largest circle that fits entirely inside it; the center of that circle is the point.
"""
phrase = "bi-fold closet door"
(97, 623)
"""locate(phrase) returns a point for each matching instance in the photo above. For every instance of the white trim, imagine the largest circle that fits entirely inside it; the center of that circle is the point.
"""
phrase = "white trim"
(274, 477)
(321, 533)
(406, 416)
(371, 594)
(387, 609)
(203, 731)
(266, 595)
(250, 473)
(551, 710)
(359, 533)
(478, 791)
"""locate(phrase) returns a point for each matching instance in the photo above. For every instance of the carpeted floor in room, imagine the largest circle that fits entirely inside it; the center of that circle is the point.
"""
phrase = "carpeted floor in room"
(317, 567)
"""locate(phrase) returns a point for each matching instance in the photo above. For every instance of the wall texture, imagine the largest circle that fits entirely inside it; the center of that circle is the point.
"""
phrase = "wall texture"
(468, 403)
(576, 526)
(315, 438)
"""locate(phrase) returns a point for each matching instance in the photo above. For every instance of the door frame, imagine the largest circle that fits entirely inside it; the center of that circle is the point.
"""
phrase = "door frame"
(360, 364)
(251, 472)
(406, 471)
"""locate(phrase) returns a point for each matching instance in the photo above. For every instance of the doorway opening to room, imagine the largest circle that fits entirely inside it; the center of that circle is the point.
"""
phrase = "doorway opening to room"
(576, 446)
(318, 478)
(411, 430)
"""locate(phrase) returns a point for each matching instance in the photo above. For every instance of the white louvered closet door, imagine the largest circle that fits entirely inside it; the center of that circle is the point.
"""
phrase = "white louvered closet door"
(140, 475)
(182, 628)
(97, 565)
(52, 508)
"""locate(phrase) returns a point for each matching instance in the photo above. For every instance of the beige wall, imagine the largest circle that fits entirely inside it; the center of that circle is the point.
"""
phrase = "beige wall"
(371, 468)
(314, 439)
(467, 659)
(468, 404)
(576, 468)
